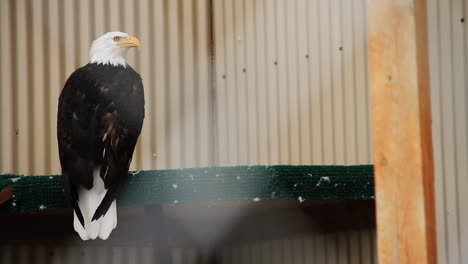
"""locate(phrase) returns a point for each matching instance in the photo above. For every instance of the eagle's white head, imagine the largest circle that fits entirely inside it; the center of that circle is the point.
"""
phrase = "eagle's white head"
(111, 48)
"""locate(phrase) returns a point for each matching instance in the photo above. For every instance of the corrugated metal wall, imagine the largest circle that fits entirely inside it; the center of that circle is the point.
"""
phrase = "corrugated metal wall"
(44, 41)
(60, 254)
(288, 86)
(448, 36)
(291, 82)
(357, 247)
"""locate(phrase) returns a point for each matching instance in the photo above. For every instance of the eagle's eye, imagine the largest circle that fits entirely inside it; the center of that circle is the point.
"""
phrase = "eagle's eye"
(116, 39)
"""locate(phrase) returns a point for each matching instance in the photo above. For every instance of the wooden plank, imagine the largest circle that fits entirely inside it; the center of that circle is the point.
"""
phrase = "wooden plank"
(399, 76)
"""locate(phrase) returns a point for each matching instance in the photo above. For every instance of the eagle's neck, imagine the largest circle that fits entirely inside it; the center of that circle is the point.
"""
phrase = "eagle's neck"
(106, 60)
(108, 56)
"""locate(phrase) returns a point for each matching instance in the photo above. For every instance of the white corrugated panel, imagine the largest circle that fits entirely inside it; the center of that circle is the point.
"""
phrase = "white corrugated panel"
(448, 39)
(6, 93)
(332, 248)
(56, 254)
(289, 87)
(44, 41)
(288, 76)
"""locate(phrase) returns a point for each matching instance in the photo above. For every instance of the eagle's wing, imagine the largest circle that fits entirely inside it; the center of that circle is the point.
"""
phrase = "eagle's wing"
(98, 125)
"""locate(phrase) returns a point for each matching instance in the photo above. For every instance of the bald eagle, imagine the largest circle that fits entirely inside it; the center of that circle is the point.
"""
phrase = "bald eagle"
(100, 116)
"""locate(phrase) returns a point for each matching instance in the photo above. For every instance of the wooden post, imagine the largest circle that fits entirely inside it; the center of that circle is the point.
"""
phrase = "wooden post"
(399, 77)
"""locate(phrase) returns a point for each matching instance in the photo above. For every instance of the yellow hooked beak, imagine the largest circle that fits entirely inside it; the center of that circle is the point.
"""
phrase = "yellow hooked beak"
(130, 41)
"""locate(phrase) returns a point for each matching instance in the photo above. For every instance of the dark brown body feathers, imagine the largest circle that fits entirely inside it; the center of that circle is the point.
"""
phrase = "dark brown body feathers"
(100, 116)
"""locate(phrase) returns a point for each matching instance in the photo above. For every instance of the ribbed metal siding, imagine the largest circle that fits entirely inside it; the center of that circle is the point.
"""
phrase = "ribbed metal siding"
(357, 247)
(60, 254)
(289, 86)
(291, 82)
(334, 248)
(448, 38)
(44, 41)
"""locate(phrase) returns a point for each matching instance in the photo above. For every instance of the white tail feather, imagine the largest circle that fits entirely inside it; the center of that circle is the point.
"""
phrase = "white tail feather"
(108, 222)
(79, 228)
(89, 201)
